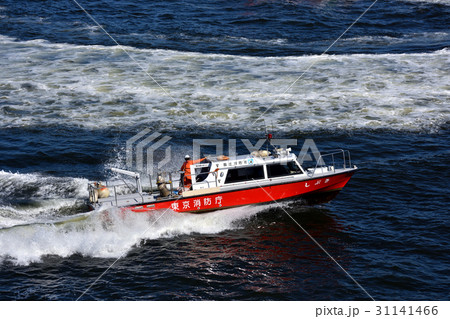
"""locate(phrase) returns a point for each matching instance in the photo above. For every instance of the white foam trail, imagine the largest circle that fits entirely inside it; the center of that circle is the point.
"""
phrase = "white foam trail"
(445, 2)
(97, 87)
(424, 39)
(12, 216)
(41, 186)
(26, 198)
(110, 235)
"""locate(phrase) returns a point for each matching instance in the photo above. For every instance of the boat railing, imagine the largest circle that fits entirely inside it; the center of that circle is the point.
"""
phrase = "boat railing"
(122, 182)
(331, 161)
(116, 189)
(93, 189)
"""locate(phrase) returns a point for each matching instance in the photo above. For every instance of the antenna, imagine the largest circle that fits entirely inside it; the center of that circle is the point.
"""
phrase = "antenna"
(268, 136)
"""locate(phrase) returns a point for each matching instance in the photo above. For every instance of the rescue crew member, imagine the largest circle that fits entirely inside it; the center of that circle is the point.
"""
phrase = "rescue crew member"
(186, 168)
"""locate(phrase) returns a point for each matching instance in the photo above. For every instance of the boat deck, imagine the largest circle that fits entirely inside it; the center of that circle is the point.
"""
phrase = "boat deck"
(126, 200)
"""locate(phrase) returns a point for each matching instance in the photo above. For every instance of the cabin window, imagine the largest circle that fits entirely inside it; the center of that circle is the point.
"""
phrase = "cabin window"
(244, 174)
(277, 170)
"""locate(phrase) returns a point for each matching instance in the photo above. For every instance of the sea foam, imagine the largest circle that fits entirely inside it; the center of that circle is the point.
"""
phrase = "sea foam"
(99, 87)
(28, 198)
(110, 234)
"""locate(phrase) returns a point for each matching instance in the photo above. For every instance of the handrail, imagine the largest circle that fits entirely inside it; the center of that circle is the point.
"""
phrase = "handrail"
(126, 184)
(345, 160)
(91, 189)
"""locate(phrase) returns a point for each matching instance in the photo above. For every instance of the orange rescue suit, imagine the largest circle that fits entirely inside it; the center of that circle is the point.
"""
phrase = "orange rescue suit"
(187, 171)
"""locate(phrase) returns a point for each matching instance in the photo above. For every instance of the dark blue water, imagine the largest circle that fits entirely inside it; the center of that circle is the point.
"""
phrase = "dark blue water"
(70, 99)
(232, 27)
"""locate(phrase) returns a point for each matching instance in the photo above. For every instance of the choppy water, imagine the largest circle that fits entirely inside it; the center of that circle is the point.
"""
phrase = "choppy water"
(70, 99)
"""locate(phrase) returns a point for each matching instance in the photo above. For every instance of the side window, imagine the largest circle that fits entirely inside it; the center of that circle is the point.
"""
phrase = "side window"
(277, 170)
(244, 174)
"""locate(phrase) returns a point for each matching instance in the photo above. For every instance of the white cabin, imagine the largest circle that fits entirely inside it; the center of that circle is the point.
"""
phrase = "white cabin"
(245, 169)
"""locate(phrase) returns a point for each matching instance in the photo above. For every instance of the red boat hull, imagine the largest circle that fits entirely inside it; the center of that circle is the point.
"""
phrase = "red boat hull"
(319, 189)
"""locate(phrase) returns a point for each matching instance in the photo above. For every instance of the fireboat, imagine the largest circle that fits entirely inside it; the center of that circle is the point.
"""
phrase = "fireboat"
(219, 182)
